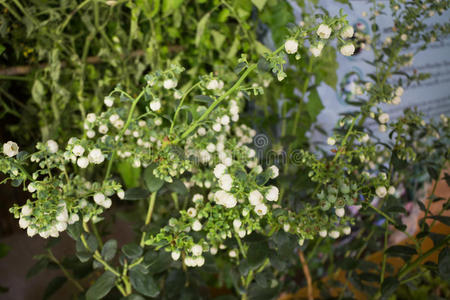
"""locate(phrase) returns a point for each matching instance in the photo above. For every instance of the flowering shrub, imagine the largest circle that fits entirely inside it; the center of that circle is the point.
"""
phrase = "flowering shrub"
(230, 207)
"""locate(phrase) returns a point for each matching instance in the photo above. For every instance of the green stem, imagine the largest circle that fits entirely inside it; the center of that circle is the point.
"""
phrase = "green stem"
(180, 105)
(97, 235)
(411, 266)
(127, 123)
(64, 270)
(149, 215)
(194, 125)
(383, 264)
(241, 247)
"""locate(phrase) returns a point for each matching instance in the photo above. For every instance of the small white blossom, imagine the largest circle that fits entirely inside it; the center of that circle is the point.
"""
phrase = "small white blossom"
(382, 128)
(83, 162)
(334, 234)
(291, 46)
(226, 182)
(103, 129)
(255, 197)
(201, 131)
(52, 146)
(23, 223)
(217, 127)
(323, 233)
(219, 170)
(196, 250)
(340, 212)
(232, 253)
(391, 190)
(316, 50)
(261, 209)
(213, 85)
(31, 188)
(324, 31)
(396, 100)
(90, 134)
(347, 230)
(109, 101)
(237, 224)
(120, 194)
(78, 150)
(196, 226)
(99, 198)
(381, 191)
(383, 118)
(31, 231)
(274, 172)
(286, 227)
(155, 105)
(96, 156)
(169, 84)
(272, 194)
(175, 255)
(26, 210)
(10, 149)
(331, 141)
(91, 117)
(73, 219)
(192, 212)
(213, 250)
(347, 49)
(347, 32)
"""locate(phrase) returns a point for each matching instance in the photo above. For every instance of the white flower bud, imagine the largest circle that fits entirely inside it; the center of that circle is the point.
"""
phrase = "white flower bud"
(324, 31)
(196, 226)
(196, 250)
(347, 49)
(331, 141)
(381, 191)
(291, 46)
(340, 212)
(334, 234)
(175, 255)
(323, 233)
(52, 146)
(347, 32)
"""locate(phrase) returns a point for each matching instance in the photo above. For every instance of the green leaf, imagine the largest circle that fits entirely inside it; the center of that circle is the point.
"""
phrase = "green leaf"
(169, 6)
(257, 253)
(314, 105)
(151, 181)
(443, 219)
(129, 175)
(136, 194)
(389, 286)
(74, 230)
(144, 283)
(201, 26)
(261, 49)
(400, 250)
(218, 38)
(109, 250)
(101, 287)
(178, 187)
(259, 3)
(132, 250)
(444, 263)
(2, 49)
(40, 265)
(53, 286)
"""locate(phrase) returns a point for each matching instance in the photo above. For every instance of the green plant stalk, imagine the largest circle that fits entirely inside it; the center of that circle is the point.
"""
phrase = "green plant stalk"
(194, 125)
(411, 266)
(180, 105)
(64, 270)
(97, 235)
(149, 215)
(241, 247)
(127, 123)
(97, 256)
